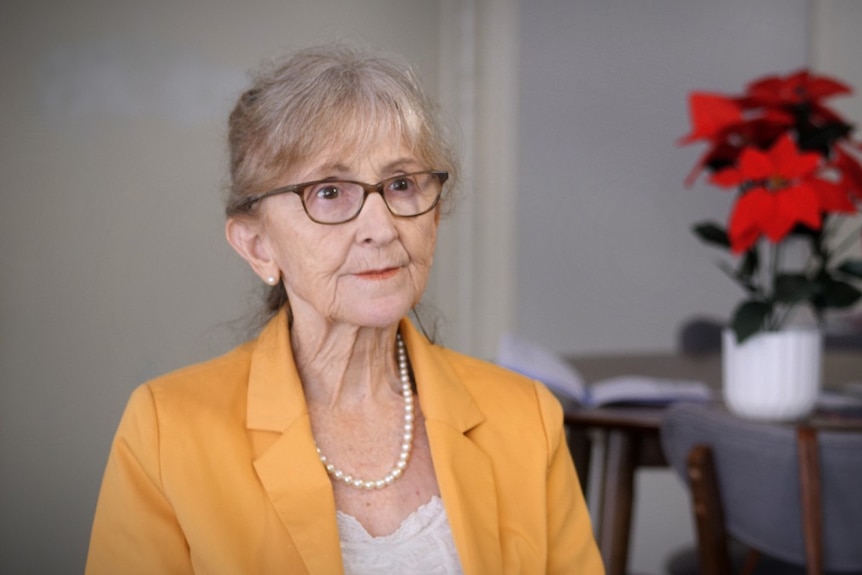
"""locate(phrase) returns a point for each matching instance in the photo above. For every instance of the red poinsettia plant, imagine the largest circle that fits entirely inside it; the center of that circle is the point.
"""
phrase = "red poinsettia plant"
(791, 161)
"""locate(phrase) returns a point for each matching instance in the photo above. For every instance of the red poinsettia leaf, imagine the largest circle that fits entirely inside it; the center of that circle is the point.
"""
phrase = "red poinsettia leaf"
(795, 88)
(850, 171)
(833, 197)
(764, 90)
(761, 132)
(789, 163)
(710, 115)
(751, 209)
(805, 202)
(778, 118)
(746, 102)
(717, 157)
(755, 165)
(821, 87)
(727, 178)
(694, 173)
(744, 240)
(794, 205)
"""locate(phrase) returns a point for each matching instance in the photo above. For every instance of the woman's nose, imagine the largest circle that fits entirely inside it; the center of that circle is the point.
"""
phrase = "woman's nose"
(376, 222)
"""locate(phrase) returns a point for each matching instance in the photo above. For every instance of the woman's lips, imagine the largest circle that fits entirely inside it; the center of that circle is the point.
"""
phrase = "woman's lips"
(378, 274)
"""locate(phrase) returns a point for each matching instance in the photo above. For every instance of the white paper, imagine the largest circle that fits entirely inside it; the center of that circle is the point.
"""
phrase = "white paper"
(537, 362)
(647, 390)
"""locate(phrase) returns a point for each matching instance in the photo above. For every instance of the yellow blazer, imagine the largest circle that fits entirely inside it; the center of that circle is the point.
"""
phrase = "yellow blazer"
(213, 470)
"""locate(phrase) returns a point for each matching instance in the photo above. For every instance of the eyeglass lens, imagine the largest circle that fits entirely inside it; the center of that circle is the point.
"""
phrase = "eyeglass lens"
(339, 201)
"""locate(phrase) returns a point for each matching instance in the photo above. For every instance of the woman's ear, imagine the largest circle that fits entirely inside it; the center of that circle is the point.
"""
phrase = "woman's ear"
(246, 237)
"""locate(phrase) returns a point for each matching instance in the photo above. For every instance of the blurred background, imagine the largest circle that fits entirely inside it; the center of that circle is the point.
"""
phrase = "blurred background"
(572, 226)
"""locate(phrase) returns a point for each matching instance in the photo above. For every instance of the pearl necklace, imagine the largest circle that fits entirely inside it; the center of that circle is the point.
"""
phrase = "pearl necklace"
(406, 439)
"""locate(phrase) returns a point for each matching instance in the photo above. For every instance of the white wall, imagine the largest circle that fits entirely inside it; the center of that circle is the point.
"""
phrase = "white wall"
(113, 265)
(606, 259)
(835, 49)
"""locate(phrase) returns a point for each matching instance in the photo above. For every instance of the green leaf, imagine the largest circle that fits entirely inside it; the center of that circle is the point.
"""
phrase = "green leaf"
(750, 263)
(712, 233)
(794, 288)
(839, 294)
(750, 318)
(851, 268)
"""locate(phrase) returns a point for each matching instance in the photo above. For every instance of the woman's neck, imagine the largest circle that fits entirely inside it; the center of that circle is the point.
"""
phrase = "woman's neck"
(344, 365)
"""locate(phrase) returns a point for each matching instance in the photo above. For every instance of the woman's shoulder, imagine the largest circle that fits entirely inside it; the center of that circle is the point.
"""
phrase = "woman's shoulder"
(188, 417)
(481, 369)
(210, 379)
(488, 381)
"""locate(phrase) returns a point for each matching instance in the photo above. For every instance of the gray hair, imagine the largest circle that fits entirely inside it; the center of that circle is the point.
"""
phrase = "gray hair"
(323, 99)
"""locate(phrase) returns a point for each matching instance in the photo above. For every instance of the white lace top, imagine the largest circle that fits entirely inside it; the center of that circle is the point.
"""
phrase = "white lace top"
(422, 545)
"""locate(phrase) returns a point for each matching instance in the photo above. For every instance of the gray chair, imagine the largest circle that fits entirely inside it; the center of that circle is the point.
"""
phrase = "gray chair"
(748, 486)
(699, 335)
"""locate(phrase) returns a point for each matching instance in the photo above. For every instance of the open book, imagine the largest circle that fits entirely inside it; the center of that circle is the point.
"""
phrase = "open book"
(537, 362)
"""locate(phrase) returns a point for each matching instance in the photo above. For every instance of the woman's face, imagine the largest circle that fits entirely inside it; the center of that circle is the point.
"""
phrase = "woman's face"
(369, 271)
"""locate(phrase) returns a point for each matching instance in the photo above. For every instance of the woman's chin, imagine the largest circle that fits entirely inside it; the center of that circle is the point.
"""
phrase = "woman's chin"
(379, 312)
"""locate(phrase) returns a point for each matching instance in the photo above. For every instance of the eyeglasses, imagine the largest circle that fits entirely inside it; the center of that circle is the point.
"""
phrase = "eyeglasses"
(332, 201)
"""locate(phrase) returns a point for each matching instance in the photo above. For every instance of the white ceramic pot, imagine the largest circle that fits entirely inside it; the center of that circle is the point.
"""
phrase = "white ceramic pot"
(772, 376)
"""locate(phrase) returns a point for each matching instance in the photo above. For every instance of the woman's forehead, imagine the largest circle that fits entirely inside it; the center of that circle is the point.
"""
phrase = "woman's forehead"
(381, 157)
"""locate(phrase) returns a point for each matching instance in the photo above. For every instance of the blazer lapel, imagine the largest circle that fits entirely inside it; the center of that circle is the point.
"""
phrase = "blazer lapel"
(464, 472)
(285, 458)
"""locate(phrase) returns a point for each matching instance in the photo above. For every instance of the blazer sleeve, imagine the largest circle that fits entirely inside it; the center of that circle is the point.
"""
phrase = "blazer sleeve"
(135, 529)
(571, 544)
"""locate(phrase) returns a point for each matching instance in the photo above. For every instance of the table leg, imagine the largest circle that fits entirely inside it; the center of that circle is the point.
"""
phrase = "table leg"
(615, 508)
(580, 446)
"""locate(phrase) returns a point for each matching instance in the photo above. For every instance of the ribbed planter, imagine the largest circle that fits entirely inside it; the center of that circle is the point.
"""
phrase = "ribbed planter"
(772, 376)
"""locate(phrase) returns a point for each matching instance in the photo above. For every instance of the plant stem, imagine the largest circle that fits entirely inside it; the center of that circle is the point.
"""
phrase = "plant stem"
(771, 321)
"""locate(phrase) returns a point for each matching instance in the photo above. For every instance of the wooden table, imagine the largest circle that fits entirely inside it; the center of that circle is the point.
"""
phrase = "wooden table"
(631, 434)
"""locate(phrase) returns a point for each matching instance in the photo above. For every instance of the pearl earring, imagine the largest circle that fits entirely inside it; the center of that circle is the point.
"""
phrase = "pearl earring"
(271, 280)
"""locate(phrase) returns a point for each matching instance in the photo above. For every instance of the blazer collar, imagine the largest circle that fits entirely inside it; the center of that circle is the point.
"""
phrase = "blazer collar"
(275, 396)
(290, 471)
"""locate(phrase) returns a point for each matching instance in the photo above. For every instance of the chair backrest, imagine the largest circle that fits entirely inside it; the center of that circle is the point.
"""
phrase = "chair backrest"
(699, 336)
(758, 479)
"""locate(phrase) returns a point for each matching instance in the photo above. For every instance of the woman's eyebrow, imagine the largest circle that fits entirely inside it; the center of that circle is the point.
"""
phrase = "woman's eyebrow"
(401, 164)
(326, 172)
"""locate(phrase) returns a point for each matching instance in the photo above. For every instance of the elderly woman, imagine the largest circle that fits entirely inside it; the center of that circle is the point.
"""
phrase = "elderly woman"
(340, 440)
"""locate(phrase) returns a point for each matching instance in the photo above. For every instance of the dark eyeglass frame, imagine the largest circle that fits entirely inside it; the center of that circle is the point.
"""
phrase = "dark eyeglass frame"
(299, 189)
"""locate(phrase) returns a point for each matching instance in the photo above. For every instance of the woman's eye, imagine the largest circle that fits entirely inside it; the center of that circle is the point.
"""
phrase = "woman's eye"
(328, 192)
(401, 185)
